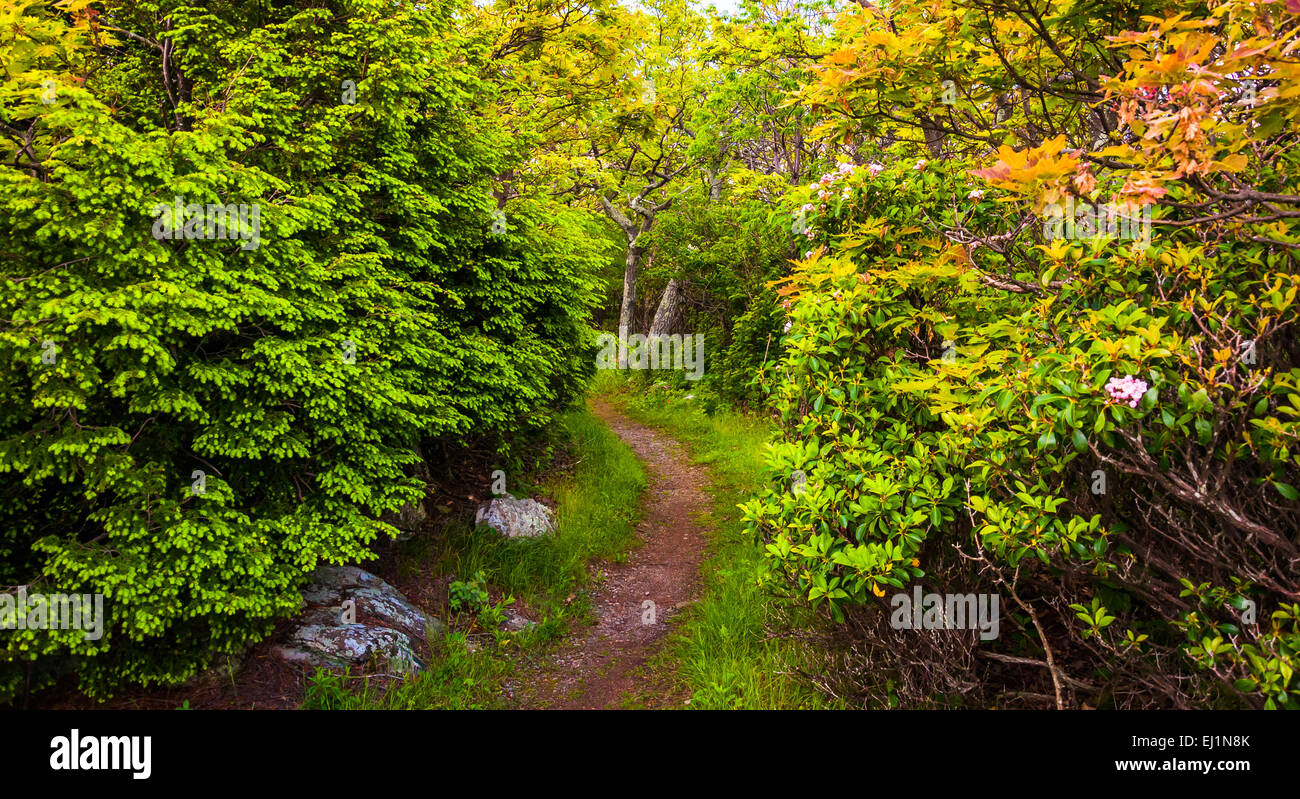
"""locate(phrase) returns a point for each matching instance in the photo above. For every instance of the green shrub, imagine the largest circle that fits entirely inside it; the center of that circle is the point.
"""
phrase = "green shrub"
(213, 420)
(952, 432)
(741, 368)
(726, 249)
(468, 594)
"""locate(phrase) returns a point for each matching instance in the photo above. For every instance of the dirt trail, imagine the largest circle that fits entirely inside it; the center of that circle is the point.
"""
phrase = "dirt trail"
(597, 670)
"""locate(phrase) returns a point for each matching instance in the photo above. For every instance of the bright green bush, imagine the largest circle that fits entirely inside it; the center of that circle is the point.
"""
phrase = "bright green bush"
(383, 306)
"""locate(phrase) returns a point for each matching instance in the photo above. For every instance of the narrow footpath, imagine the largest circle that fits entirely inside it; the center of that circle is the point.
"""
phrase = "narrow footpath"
(601, 667)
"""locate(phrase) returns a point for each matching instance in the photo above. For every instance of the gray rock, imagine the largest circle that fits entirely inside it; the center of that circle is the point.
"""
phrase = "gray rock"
(408, 519)
(395, 611)
(351, 645)
(321, 635)
(411, 517)
(329, 583)
(325, 616)
(516, 621)
(516, 518)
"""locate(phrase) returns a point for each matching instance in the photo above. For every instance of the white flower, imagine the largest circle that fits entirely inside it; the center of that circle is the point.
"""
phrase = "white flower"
(975, 194)
(821, 194)
(920, 164)
(807, 255)
(788, 325)
(875, 169)
(846, 168)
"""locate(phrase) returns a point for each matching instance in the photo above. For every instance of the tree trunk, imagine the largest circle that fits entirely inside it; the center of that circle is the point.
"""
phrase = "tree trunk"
(670, 305)
(631, 264)
(933, 135)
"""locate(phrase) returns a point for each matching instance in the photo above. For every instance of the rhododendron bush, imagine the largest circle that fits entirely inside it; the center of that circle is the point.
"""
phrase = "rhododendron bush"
(1101, 429)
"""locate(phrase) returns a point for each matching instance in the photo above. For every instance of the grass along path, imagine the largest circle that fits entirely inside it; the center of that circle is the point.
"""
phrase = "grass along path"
(737, 647)
(634, 600)
(476, 665)
(673, 537)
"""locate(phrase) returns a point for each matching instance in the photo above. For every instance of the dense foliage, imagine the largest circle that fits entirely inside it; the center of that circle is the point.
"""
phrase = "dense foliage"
(189, 426)
(879, 216)
(1103, 433)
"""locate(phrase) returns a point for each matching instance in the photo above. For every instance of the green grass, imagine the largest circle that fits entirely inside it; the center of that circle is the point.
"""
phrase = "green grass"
(457, 680)
(730, 650)
(598, 503)
(597, 506)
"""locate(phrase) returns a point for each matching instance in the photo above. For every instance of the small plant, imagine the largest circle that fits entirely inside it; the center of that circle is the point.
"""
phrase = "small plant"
(326, 691)
(468, 594)
(490, 616)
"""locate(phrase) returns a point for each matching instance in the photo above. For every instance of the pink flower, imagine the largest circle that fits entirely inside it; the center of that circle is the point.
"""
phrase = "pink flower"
(920, 164)
(875, 169)
(976, 194)
(846, 168)
(822, 194)
(1127, 389)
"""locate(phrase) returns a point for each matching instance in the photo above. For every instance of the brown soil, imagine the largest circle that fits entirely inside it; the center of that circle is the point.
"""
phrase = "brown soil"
(604, 668)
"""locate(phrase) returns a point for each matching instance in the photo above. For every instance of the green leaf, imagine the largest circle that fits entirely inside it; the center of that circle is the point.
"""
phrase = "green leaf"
(1286, 490)
(1204, 431)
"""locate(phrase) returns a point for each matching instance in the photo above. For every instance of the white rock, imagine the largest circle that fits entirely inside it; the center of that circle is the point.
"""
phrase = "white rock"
(516, 518)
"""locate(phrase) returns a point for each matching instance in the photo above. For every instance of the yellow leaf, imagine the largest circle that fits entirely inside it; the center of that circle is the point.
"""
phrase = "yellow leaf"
(1233, 163)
